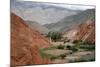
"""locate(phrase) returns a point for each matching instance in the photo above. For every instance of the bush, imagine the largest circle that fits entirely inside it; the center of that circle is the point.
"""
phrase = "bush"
(84, 42)
(53, 58)
(73, 48)
(86, 59)
(63, 56)
(75, 41)
(87, 47)
(60, 47)
(68, 46)
(54, 36)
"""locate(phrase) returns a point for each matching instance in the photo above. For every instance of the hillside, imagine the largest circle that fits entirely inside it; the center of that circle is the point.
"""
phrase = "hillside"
(35, 25)
(71, 21)
(84, 32)
(87, 32)
(25, 43)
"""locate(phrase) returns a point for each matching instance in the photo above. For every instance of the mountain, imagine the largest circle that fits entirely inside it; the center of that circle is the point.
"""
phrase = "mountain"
(84, 32)
(87, 31)
(71, 21)
(41, 12)
(25, 43)
(35, 25)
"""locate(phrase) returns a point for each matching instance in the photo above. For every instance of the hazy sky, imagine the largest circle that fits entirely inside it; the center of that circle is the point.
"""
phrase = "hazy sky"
(74, 7)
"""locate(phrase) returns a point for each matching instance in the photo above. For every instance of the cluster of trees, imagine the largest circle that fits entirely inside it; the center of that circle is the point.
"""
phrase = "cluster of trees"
(55, 36)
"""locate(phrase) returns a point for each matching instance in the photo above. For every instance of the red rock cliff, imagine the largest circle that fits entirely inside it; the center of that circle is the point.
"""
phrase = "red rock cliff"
(25, 43)
(85, 32)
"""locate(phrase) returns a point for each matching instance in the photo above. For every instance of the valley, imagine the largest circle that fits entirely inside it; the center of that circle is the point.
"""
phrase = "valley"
(69, 54)
(43, 33)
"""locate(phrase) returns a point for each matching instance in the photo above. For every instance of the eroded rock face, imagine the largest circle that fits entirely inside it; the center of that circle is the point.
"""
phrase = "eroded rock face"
(25, 43)
(87, 31)
(83, 32)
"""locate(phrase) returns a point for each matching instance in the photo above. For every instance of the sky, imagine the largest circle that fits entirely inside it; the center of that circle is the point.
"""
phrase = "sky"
(63, 5)
(75, 7)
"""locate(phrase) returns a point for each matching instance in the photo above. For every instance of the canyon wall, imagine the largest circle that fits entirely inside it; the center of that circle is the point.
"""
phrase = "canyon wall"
(26, 43)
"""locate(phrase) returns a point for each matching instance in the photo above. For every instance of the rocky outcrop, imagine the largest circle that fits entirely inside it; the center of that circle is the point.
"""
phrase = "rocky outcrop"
(87, 32)
(83, 32)
(25, 43)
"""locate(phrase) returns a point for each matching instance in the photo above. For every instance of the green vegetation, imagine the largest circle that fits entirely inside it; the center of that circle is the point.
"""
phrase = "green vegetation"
(62, 51)
(85, 45)
(86, 58)
(47, 55)
(44, 55)
(60, 47)
(53, 54)
(63, 56)
(76, 41)
(80, 42)
(55, 36)
(68, 47)
(73, 48)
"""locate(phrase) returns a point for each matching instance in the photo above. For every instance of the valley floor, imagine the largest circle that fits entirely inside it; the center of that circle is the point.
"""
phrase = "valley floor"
(69, 52)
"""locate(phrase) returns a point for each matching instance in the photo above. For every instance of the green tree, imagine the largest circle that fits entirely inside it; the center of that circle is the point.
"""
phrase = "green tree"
(54, 36)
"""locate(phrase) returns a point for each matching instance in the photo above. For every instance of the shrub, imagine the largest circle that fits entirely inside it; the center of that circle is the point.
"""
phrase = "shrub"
(53, 58)
(63, 56)
(75, 41)
(60, 47)
(87, 47)
(86, 59)
(54, 36)
(73, 48)
(68, 46)
(84, 42)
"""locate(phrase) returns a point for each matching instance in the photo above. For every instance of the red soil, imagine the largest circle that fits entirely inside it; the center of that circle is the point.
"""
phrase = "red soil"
(25, 43)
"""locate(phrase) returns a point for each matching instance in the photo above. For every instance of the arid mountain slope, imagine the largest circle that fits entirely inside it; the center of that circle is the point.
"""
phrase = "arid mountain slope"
(87, 32)
(84, 32)
(68, 22)
(35, 25)
(25, 43)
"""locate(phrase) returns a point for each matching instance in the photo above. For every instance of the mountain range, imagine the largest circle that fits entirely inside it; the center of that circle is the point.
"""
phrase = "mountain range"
(70, 22)
(42, 13)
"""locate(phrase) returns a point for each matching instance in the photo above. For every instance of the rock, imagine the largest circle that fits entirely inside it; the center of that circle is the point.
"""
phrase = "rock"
(84, 32)
(25, 43)
(87, 31)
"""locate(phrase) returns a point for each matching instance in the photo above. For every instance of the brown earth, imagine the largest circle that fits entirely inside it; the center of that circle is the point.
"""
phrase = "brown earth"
(25, 43)
(85, 32)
